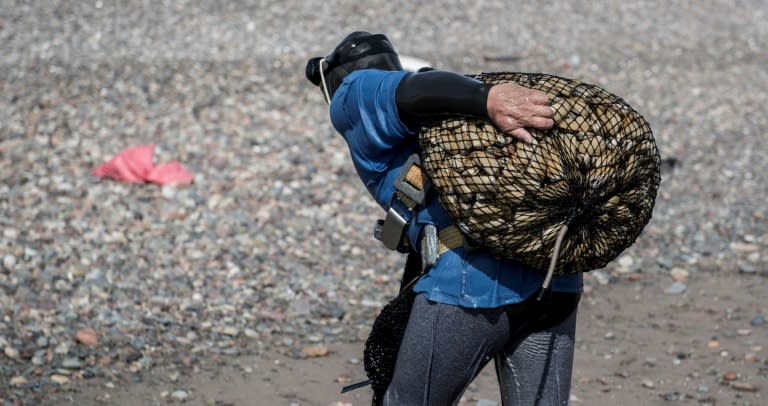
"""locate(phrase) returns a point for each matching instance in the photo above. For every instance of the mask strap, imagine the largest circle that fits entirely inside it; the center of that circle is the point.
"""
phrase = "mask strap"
(322, 79)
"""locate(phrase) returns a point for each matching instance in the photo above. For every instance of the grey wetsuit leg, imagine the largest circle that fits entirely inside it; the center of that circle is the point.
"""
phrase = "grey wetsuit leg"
(535, 370)
(443, 349)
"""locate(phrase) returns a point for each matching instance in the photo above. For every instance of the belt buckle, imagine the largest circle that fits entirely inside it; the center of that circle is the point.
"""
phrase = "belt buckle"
(390, 230)
(411, 191)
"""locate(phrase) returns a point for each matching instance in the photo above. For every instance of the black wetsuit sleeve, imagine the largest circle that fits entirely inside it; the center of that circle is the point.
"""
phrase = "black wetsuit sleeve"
(437, 92)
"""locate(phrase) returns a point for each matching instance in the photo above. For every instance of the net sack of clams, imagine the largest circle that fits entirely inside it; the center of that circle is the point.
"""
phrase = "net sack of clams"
(596, 172)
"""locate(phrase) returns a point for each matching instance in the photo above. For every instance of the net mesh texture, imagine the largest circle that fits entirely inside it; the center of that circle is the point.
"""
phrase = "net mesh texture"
(596, 171)
(383, 343)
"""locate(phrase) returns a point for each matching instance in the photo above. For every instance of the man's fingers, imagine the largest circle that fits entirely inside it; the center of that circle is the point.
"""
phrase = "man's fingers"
(542, 111)
(540, 122)
(523, 135)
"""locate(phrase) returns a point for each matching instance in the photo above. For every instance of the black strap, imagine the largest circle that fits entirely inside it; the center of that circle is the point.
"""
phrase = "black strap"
(412, 269)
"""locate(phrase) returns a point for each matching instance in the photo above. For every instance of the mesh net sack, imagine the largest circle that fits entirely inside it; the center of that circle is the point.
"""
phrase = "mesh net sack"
(383, 342)
(596, 171)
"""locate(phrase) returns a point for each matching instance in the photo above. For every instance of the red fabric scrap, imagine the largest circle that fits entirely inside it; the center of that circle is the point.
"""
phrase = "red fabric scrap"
(134, 165)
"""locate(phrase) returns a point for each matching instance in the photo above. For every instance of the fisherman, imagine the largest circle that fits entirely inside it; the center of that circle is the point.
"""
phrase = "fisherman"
(470, 307)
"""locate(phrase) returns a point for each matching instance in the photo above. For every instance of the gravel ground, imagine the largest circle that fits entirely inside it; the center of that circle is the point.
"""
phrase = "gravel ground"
(270, 249)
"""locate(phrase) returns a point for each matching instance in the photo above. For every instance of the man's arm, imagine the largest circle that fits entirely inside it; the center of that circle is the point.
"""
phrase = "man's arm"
(509, 106)
(434, 92)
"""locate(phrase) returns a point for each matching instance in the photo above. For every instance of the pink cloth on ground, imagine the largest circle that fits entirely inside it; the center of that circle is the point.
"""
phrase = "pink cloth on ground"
(134, 165)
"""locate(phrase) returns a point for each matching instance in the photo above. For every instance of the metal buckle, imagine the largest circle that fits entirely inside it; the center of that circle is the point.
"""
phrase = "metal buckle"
(401, 185)
(390, 230)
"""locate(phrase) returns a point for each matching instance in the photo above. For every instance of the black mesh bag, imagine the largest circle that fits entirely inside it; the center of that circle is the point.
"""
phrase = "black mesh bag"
(596, 171)
(383, 343)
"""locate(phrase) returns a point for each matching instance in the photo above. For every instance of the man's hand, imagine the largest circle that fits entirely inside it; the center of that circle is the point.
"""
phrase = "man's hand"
(513, 107)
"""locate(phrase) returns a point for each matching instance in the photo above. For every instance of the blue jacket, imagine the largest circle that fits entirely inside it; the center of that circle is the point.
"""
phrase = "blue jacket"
(363, 110)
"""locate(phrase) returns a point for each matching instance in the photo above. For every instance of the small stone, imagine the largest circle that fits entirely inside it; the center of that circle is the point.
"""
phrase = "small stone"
(747, 268)
(743, 331)
(230, 331)
(679, 274)
(168, 192)
(665, 262)
(758, 320)
(315, 351)
(702, 389)
(11, 353)
(671, 397)
(574, 399)
(62, 348)
(708, 401)
(87, 337)
(129, 354)
(610, 335)
(42, 341)
(730, 376)
(138, 343)
(343, 379)
(61, 380)
(648, 384)
(174, 376)
(104, 360)
(9, 262)
(744, 387)
(601, 277)
(713, 345)
(251, 333)
(18, 381)
(180, 395)
(676, 288)
(11, 233)
(634, 277)
(71, 363)
(744, 247)
(626, 261)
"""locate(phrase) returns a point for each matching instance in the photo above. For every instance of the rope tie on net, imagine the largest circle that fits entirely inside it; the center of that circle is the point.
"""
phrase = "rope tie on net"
(553, 261)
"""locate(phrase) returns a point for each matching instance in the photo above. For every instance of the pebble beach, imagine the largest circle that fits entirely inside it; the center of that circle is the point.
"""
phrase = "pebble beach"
(270, 250)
